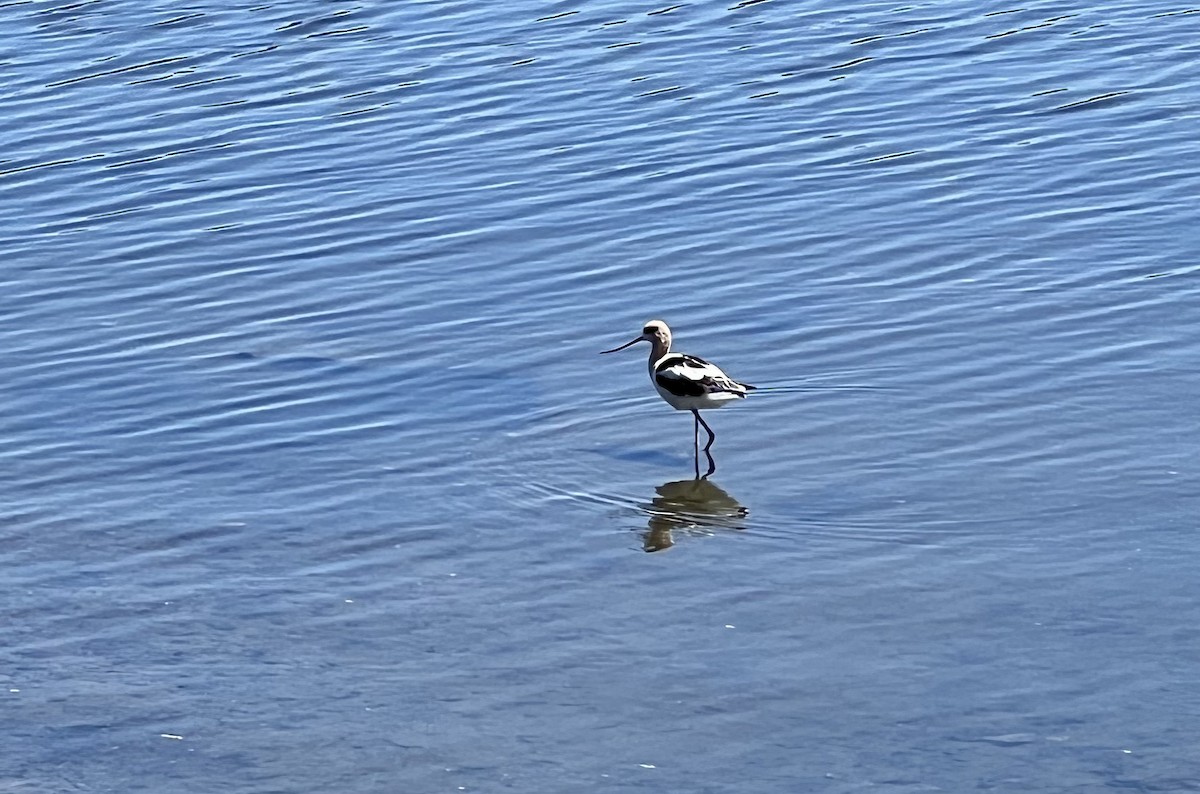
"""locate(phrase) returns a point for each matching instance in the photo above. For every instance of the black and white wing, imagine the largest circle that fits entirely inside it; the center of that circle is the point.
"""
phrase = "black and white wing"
(690, 376)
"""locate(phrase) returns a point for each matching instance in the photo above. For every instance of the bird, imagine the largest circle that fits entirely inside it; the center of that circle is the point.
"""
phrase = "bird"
(687, 383)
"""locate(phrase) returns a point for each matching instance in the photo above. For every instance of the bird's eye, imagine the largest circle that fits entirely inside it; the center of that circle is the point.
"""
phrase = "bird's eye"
(649, 329)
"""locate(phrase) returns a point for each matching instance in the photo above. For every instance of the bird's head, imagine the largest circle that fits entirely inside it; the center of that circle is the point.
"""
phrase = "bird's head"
(655, 332)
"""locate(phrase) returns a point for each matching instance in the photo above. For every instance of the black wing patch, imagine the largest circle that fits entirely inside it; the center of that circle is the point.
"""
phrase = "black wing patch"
(681, 387)
(691, 376)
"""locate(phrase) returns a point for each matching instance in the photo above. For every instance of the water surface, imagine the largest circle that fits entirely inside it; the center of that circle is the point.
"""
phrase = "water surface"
(315, 482)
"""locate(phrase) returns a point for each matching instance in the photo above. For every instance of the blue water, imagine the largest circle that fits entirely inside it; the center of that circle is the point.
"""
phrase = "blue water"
(313, 480)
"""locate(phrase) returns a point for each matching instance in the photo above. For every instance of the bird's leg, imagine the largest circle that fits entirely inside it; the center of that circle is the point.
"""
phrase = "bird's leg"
(712, 465)
(711, 435)
(696, 440)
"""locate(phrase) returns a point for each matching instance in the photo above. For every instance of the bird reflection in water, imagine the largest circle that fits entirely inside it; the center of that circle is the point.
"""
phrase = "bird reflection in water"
(691, 506)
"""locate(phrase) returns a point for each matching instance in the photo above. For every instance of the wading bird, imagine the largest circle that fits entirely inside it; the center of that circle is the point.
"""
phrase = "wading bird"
(686, 382)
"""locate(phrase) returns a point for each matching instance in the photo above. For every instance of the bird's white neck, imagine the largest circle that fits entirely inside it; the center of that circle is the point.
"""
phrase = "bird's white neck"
(660, 345)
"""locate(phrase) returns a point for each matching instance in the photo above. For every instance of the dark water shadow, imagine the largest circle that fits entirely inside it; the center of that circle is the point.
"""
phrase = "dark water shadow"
(648, 456)
(694, 507)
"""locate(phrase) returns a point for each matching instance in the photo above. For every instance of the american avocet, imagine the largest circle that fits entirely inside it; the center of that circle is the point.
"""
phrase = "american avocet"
(686, 382)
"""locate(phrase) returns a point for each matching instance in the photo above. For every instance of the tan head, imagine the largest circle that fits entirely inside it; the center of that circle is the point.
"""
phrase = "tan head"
(656, 333)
